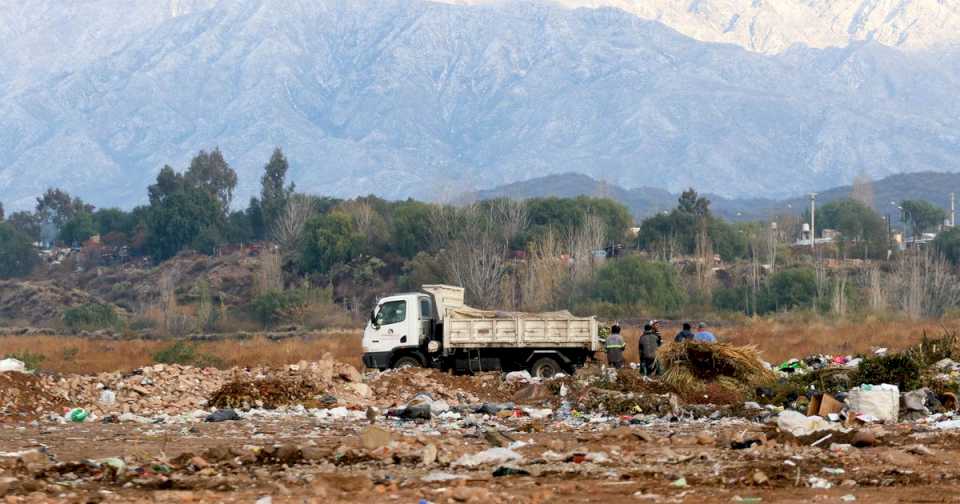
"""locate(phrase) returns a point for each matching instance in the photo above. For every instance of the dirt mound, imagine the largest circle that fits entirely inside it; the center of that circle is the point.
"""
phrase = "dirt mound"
(25, 397)
(269, 393)
(39, 303)
(402, 384)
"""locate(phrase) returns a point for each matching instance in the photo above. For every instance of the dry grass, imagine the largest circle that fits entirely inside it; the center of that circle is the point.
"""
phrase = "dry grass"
(69, 354)
(777, 340)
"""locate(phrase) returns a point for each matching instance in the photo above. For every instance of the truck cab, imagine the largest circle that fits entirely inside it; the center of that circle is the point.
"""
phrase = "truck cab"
(400, 326)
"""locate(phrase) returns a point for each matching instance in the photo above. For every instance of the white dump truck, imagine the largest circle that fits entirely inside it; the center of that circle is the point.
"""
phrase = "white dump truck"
(435, 329)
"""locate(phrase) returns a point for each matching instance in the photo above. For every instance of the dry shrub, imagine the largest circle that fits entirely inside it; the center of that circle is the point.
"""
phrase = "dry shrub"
(689, 367)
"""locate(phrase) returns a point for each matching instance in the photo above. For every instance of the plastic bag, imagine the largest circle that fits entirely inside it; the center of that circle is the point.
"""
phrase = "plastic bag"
(879, 401)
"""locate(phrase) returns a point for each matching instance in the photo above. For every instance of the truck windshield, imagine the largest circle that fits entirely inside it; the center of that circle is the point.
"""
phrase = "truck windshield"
(392, 312)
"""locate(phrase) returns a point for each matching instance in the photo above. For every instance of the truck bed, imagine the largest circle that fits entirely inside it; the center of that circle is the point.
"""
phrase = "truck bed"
(521, 331)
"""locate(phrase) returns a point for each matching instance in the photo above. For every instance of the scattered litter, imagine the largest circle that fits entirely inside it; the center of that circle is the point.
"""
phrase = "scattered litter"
(489, 456)
(819, 483)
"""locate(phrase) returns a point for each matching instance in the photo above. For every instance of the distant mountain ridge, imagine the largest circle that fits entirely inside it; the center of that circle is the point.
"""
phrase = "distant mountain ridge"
(409, 98)
(644, 202)
(773, 26)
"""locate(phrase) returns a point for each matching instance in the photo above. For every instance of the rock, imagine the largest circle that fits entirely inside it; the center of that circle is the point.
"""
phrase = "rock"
(288, 454)
(759, 478)
(314, 454)
(899, 458)
(532, 393)
(706, 439)
(864, 439)
(8, 485)
(350, 374)
(919, 449)
(497, 439)
(471, 494)
(428, 455)
(362, 390)
(372, 438)
(199, 462)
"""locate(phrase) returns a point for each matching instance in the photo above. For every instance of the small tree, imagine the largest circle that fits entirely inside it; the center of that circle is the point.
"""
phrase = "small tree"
(273, 193)
(328, 240)
(17, 256)
(923, 216)
(211, 173)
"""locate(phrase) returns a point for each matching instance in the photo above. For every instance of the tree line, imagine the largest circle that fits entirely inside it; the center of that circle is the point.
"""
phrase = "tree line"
(538, 254)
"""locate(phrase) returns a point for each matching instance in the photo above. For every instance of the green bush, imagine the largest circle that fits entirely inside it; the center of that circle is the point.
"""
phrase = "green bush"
(896, 369)
(30, 359)
(186, 354)
(90, 317)
(270, 307)
(633, 281)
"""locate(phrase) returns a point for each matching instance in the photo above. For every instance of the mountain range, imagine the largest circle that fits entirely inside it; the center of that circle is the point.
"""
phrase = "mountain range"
(883, 195)
(430, 100)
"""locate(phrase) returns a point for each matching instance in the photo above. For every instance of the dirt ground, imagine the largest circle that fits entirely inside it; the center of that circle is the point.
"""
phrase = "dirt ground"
(644, 463)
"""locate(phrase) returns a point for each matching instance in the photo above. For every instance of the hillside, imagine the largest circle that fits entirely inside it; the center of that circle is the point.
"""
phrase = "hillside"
(419, 99)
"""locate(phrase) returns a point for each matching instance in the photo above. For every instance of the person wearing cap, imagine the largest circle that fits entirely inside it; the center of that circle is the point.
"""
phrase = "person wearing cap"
(615, 347)
(649, 343)
(703, 335)
(685, 335)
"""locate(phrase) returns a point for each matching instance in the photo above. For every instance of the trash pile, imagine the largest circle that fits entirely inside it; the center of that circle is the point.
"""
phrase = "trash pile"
(175, 389)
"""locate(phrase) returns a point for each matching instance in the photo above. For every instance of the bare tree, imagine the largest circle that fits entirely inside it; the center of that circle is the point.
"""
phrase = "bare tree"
(876, 297)
(511, 215)
(363, 216)
(582, 242)
(704, 263)
(479, 265)
(270, 273)
(922, 284)
(288, 231)
(543, 274)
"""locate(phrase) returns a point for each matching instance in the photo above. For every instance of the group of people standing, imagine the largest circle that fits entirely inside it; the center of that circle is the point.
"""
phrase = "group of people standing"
(650, 342)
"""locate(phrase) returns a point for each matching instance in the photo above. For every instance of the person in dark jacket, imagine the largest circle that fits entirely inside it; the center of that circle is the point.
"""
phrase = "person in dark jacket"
(615, 347)
(684, 335)
(649, 343)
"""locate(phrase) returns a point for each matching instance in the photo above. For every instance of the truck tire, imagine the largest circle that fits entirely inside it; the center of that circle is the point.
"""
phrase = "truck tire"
(545, 367)
(407, 361)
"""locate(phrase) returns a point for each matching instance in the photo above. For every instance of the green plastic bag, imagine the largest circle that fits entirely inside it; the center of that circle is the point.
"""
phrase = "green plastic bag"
(78, 415)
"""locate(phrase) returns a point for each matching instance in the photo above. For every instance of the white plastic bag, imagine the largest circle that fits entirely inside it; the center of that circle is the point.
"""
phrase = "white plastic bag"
(879, 401)
(798, 424)
(12, 365)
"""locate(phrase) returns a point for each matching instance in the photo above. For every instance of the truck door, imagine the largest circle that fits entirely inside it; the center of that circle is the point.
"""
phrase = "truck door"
(426, 319)
(393, 327)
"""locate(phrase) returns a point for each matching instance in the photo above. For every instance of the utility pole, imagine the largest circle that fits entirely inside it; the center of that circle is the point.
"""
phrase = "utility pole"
(813, 222)
(953, 209)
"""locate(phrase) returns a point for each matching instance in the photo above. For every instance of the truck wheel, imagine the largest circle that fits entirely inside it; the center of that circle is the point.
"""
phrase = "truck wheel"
(407, 361)
(545, 367)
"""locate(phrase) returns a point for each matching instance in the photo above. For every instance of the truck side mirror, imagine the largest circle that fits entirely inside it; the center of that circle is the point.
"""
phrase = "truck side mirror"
(373, 319)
